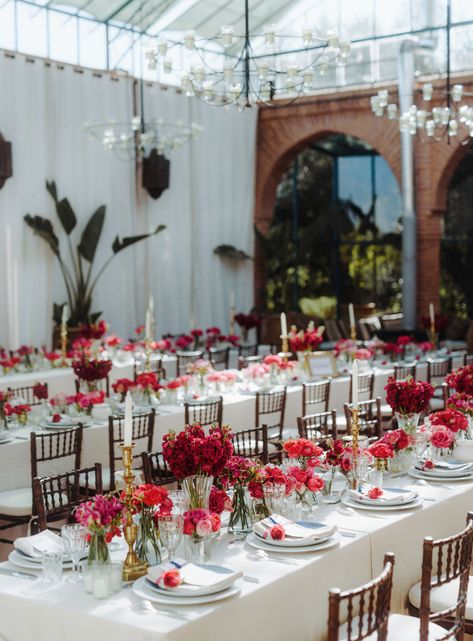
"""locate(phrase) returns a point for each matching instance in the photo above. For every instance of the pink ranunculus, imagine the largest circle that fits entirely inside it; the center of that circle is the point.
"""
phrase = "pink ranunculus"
(204, 527)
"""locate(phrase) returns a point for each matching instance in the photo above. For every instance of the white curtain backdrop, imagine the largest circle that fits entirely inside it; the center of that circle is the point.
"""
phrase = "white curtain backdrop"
(209, 202)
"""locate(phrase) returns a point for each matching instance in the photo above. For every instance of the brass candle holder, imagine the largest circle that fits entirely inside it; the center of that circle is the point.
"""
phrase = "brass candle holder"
(64, 344)
(355, 433)
(133, 568)
(353, 332)
(285, 347)
(148, 352)
(433, 335)
(232, 321)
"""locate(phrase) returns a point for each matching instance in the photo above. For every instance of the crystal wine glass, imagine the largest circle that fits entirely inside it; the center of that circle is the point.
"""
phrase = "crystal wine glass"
(180, 502)
(75, 543)
(170, 532)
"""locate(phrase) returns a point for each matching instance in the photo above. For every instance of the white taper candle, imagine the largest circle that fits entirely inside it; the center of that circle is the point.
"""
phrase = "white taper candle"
(354, 384)
(128, 420)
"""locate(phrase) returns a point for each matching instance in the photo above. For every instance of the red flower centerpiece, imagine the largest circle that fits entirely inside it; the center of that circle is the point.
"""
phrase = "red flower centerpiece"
(461, 380)
(149, 501)
(196, 457)
(90, 371)
(400, 443)
(305, 341)
(239, 473)
(246, 322)
(381, 451)
(408, 399)
(40, 391)
(199, 527)
(102, 516)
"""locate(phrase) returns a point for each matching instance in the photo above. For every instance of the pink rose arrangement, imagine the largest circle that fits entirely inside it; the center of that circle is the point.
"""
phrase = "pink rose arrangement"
(193, 452)
(409, 396)
(91, 370)
(219, 501)
(305, 341)
(306, 451)
(397, 439)
(102, 516)
(339, 455)
(381, 450)
(454, 420)
(441, 437)
(85, 402)
(200, 367)
(201, 524)
(462, 403)
(363, 354)
(273, 360)
(344, 346)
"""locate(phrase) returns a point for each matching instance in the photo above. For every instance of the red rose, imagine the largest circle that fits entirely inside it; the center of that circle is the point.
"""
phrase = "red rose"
(441, 436)
(315, 484)
(428, 465)
(381, 450)
(277, 533)
(170, 579)
(375, 493)
(292, 448)
(56, 418)
(454, 420)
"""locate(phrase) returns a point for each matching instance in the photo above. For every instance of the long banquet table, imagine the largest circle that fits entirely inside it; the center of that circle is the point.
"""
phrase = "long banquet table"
(238, 412)
(288, 602)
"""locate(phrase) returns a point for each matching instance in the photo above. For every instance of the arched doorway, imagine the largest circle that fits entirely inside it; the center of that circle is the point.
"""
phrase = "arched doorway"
(457, 243)
(335, 234)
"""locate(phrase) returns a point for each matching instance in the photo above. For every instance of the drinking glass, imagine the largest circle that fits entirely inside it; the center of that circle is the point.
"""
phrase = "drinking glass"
(51, 566)
(75, 544)
(170, 532)
(274, 495)
(180, 503)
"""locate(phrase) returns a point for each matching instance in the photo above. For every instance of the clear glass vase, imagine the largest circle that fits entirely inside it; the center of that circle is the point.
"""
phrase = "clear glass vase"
(197, 491)
(194, 549)
(335, 485)
(98, 549)
(241, 520)
(408, 422)
(147, 540)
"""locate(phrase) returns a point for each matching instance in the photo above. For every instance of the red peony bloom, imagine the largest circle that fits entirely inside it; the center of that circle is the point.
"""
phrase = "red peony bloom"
(398, 439)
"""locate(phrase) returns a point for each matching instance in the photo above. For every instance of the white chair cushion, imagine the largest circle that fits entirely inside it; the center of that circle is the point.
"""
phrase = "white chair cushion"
(443, 597)
(290, 432)
(386, 410)
(119, 482)
(16, 502)
(400, 628)
(436, 404)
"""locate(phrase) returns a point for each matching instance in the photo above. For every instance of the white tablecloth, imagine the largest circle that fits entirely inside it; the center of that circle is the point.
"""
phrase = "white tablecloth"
(289, 602)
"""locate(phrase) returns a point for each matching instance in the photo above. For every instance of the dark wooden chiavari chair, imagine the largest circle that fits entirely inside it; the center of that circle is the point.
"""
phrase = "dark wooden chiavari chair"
(184, 359)
(406, 370)
(55, 497)
(219, 357)
(445, 562)
(246, 361)
(252, 443)
(204, 412)
(272, 404)
(315, 394)
(467, 359)
(155, 469)
(318, 427)
(365, 385)
(437, 369)
(332, 329)
(368, 608)
(27, 394)
(369, 413)
(248, 350)
(155, 367)
(102, 384)
(16, 506)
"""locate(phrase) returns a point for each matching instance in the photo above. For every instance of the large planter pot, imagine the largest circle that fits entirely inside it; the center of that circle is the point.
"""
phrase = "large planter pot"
(463, 450)
(72, 334)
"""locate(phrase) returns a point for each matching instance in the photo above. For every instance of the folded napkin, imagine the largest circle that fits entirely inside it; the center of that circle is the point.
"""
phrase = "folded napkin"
(390, 496)
(195, 578)
(33, 546)
(305, 533)
(447, 466)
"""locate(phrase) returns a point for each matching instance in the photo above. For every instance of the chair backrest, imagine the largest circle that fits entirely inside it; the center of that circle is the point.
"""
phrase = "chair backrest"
(468, 359)
(333, 330)
(438, 368)
(444, 561)
(368, 607)
(184, 358)
(55, 497)
(219, 357)
(248, 350)
(204, 412)
(102, 384)
(315, 394)
(401, 372)
(246, 361)
(252, 443)
(318, 427)
(155, 367)
(141, 433)
(365, 385)
(271, 403)
(155, 469)
(27, 393)
(55, 445)
(369, 414)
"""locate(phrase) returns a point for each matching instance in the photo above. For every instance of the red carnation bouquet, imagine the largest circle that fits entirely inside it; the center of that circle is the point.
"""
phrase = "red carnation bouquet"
(461, 380)
(409, 396)
(193, 452)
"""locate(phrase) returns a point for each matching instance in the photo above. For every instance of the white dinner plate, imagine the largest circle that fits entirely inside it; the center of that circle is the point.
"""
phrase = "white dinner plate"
(367, 501)
(22, 561)
(189, 592)
(444, 474)
(349, 502)
(257, 542)
(143, 590)
(292, 542)
(417, 474)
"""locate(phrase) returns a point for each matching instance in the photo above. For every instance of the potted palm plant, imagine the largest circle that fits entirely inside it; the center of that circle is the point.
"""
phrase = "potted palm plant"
(77, 269)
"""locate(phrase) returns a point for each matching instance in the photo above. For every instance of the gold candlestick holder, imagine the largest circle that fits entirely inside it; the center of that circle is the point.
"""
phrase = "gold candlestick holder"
(232, 321)
(285, 347)
(433, 335)
(148, 352)
(353, 332)
(133, 568)
(355, 433)
(64, 344)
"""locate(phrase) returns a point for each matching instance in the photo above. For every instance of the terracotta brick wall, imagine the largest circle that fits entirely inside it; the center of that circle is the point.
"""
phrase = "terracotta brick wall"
(284, 131)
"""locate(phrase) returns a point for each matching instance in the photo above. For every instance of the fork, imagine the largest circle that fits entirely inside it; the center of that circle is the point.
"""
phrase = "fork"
(261, 555)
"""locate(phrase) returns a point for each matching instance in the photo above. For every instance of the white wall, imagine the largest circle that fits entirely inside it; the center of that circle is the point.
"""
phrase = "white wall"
(209, 202)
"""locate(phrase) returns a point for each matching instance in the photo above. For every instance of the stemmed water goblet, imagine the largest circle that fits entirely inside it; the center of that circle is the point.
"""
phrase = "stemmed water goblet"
(171, 527)
(75, 543)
